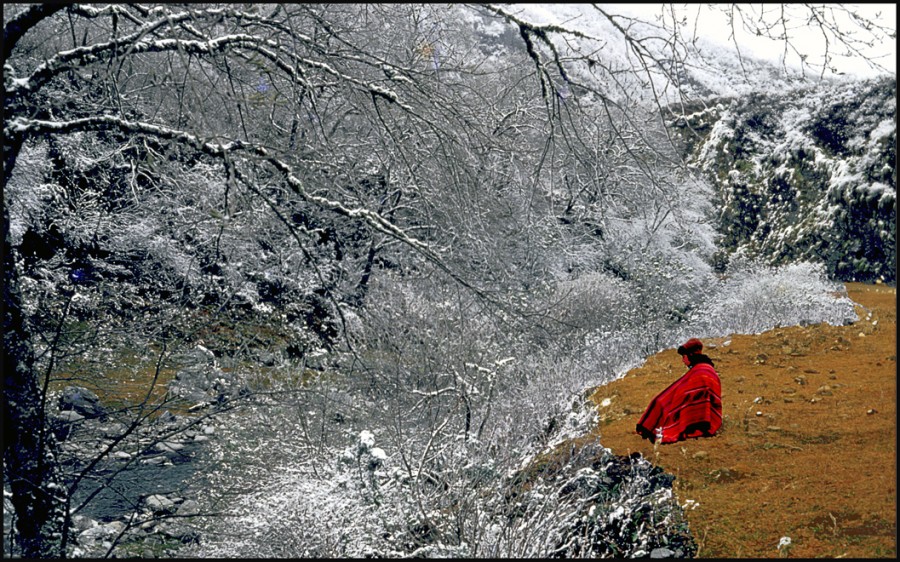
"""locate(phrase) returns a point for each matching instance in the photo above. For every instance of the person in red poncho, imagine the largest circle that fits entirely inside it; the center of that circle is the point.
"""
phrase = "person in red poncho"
(690, 406)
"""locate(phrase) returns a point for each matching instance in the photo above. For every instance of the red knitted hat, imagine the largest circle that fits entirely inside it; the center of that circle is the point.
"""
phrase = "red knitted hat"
(690, 347)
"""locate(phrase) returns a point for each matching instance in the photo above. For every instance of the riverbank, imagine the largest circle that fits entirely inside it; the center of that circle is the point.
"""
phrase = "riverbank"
(808, 445)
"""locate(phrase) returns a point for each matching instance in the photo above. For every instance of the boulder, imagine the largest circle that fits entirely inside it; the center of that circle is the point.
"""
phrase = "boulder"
(101, 532)
(63, 424)
(169, 446)
(189, 507)
(82, 401)
(81, 523)
(157, 503)
(207, 384)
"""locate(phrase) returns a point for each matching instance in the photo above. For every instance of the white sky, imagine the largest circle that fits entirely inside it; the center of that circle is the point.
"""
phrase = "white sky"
(713, 25)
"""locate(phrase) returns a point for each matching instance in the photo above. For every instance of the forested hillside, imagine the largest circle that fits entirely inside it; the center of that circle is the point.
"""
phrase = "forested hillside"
(325, 280)
(804, 174)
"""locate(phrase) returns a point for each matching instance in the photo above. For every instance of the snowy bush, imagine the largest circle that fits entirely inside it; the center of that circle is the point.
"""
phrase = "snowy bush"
(369, 501)
(754, 298)
(610, 507)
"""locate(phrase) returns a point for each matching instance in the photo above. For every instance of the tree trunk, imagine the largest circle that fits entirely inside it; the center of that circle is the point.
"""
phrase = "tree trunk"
(29, 462)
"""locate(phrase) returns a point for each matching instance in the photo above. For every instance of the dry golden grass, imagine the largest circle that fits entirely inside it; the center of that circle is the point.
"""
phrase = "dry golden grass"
(808, 445)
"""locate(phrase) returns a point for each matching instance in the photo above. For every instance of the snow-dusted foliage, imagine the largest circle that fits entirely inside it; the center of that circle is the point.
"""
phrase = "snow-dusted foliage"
(807, 174)
(754, 298)
(363, 496)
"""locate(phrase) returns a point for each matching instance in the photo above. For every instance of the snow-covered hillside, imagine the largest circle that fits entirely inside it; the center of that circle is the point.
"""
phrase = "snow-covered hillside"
(806, 174)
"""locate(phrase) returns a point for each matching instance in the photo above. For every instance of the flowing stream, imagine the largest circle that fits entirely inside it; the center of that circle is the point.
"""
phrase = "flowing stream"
(122, 489)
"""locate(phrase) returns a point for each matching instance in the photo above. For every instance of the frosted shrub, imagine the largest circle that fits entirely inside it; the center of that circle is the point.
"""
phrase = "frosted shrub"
(755, 298)
(612, 506)
(594, 300)
(297, 501)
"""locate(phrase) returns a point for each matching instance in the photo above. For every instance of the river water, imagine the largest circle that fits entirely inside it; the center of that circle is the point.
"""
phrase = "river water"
(121, 493)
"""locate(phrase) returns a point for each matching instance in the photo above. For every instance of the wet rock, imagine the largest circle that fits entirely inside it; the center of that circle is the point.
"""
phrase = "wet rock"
(182, 534)
(101, 532)
(112, 430)
(81, 523)
(207, 384)
(64, 424)
(188, 507)
(169, 447)
(196, 379)
(159, 503)
(69, 416)
(83, 401)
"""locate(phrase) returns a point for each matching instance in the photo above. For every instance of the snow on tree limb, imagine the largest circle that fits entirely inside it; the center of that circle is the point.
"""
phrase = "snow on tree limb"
(136, 43)
(94, 53)
(19, 24)
(21, 126)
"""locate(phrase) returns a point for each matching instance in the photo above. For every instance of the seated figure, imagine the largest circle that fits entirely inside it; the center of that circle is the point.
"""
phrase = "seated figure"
(689, 407)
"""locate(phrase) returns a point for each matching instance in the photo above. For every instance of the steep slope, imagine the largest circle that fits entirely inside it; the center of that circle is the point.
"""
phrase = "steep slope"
(807, 174)
(808, 445)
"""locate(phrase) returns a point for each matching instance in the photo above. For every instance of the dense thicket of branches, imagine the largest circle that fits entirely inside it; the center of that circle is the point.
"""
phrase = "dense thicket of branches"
(445, 222)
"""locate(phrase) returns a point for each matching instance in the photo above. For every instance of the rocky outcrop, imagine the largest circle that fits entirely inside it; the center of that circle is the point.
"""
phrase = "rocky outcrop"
(603, 505)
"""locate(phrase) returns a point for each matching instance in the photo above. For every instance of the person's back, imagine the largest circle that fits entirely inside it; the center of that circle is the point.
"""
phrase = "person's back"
(689, 407)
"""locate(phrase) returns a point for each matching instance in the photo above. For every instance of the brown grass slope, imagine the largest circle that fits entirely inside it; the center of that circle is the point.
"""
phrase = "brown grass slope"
(807, 449)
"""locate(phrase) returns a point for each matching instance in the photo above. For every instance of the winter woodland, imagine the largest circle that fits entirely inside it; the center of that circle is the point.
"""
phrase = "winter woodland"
(366, 260)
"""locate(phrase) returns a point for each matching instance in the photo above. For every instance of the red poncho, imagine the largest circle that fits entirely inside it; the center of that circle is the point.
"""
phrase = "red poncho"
(689, 407)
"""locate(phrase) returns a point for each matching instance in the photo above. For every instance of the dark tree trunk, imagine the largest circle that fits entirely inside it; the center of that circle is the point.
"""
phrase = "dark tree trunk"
(29, 460)
(29, 465)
